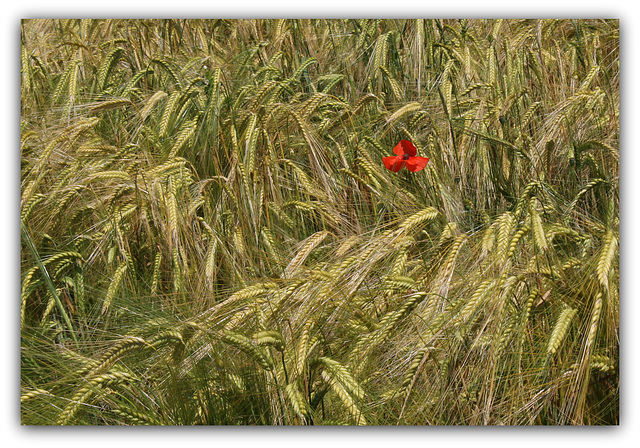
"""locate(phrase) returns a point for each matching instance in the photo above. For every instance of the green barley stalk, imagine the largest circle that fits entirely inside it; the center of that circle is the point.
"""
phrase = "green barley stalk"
(48, 281)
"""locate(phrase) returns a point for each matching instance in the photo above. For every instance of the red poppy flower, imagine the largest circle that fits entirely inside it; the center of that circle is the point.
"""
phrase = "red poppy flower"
(406, 156)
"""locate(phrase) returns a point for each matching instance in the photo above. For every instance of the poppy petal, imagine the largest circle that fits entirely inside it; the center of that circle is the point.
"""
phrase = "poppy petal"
(398, 149)
(405, 147)
(415, 164)
(393, 163)
(389, 161)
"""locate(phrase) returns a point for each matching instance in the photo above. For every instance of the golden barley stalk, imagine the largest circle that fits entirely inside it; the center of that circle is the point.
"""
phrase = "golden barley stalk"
(172, 212)
(34, 393)
(210, 262)
(595, 317)
(106, 68)
(476, 297)
(170, 167)
(299, 404)
(560, 329)
(310, 244)
(589, 78)
(156, 273)
(303, 179)
(425, 215)
(62, 83)
(105, 175)
(506, 226)
(367, 343)
(302, 67)
(344, 385)
(253, 291)
(151, 102)
(489, 238)
(111, 356)
(453, 253)
(381, 50)
(179, 269)
(406, 109)
(25, 292)
(269, 337)
(538, 231)
(515, 240)
(400, 262)
(257, 353)
(393, 83)
(529, 113)
(50, 304)
(607, 256)
(172, 104)
(29, 206)
(135, 417)
(303, 346)
(309, 106)
(81, 397)
(357, 178)
(114, 286)
(366, 166)
(185, 133)
(267, 89)
(167, 67)
(364, 101)
(167, 336)
(111, 104)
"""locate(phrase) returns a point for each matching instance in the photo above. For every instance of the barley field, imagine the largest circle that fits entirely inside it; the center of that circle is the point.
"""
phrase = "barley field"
(210, 235)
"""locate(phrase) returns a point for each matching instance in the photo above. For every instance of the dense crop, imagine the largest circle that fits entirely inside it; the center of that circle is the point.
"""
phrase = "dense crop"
(210, 236)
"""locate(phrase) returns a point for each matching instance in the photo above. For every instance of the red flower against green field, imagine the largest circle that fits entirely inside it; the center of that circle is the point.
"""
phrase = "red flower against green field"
(406, 156)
